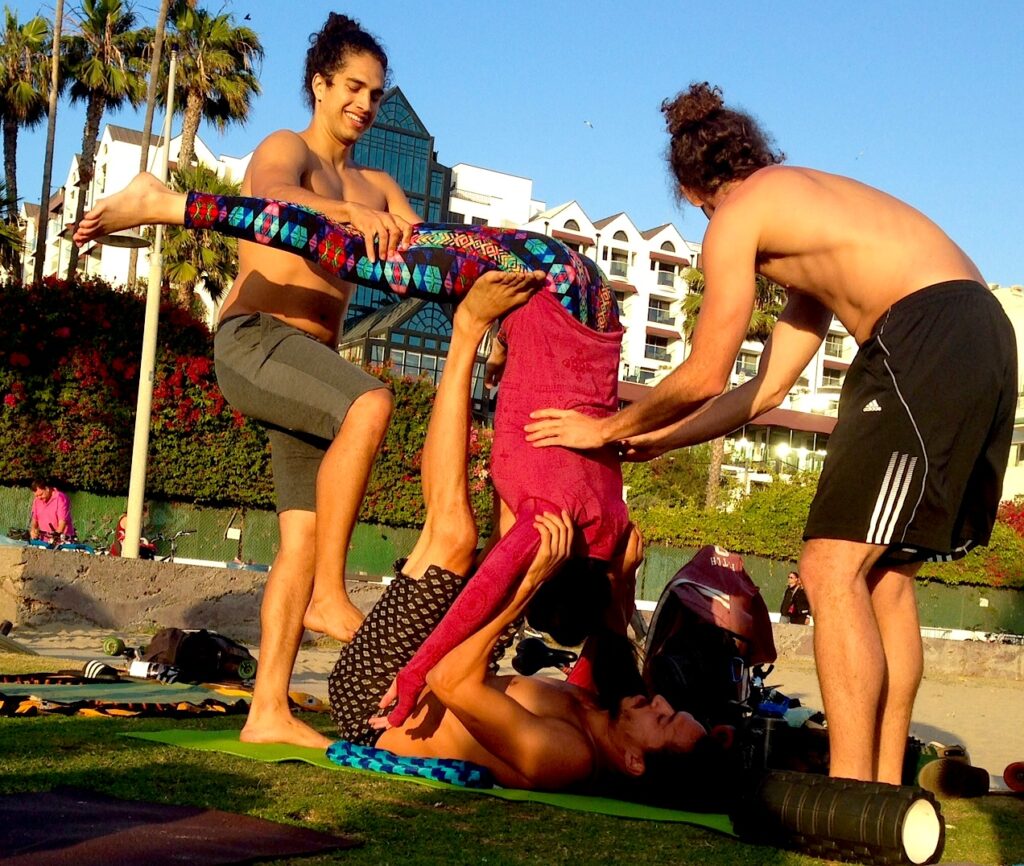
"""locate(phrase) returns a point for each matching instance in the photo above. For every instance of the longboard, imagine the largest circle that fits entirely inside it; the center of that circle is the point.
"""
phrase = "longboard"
(12, 646)
(1013, 775)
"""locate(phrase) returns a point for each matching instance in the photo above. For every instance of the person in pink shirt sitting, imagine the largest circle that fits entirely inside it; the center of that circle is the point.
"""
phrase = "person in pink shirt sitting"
(51, 514)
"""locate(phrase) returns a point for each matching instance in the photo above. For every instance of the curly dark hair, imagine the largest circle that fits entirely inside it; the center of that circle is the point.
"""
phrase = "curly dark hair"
(712, 144)
(329, 48)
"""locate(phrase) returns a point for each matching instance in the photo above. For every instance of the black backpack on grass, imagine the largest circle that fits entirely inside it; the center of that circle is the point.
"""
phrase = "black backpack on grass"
(709, 632)
(201, 655)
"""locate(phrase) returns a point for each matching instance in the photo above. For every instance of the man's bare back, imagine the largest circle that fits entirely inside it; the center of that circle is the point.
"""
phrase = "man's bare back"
(853, 248)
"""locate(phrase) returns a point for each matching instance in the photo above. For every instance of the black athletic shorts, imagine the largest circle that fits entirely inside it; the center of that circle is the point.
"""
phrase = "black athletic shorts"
(926, 415)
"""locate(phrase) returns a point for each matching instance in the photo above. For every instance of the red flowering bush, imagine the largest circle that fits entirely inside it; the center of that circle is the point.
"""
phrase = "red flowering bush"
(69, 378)
(69, 375)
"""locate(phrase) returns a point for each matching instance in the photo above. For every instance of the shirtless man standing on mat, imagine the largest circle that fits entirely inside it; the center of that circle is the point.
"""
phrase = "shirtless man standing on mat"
(915, 465)
(277, 361)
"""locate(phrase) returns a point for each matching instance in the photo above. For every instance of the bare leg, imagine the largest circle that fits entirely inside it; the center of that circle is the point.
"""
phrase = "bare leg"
(145, 201)
(340, 486)
(895, 606)
(848, 650)
(284, 602)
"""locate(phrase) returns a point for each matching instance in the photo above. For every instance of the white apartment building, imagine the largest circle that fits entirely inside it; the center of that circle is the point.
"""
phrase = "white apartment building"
(481, 196)
(117, 162)
(1012, 299)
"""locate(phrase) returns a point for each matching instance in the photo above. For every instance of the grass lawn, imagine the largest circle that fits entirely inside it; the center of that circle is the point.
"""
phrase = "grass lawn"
(401, 822)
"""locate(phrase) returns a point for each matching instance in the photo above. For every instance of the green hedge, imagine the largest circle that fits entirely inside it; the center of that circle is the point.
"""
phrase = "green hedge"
(770, 523)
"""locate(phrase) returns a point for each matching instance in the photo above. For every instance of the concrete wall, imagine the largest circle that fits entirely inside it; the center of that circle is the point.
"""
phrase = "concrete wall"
(44, 587)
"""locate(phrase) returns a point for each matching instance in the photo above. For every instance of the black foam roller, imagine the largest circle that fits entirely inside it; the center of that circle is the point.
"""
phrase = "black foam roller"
(842, 819)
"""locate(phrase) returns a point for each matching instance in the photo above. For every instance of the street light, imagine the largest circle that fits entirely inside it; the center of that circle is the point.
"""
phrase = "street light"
(128, 239)
(147, 362)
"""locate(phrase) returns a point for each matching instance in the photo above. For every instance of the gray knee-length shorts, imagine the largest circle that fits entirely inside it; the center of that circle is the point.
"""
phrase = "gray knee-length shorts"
(298, 388)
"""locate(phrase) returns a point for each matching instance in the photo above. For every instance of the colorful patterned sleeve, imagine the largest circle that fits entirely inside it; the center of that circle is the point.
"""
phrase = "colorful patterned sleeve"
(441, 263)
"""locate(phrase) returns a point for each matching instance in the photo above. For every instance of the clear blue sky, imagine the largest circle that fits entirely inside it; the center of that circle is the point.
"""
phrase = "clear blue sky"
(921, 98)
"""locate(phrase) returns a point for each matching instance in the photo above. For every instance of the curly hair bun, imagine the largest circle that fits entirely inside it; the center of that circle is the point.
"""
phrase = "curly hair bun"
(691, 106)
(338, 23)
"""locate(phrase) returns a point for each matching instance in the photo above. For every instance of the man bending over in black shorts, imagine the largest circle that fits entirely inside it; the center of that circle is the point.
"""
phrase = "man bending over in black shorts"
(916, 462)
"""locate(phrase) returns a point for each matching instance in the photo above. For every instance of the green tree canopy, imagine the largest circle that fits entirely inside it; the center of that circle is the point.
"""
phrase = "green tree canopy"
(216, 77)
(105, 62)
(24, 85)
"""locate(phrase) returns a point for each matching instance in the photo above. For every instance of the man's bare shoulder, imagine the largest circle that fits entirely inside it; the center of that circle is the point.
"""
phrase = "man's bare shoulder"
(774, 181)
(281, 143)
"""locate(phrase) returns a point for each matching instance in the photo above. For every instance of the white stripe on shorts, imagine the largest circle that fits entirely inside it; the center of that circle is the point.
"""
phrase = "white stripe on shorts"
(891, 497)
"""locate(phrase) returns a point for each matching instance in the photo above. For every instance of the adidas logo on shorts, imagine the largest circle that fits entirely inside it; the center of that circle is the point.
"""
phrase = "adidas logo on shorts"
(872, 407)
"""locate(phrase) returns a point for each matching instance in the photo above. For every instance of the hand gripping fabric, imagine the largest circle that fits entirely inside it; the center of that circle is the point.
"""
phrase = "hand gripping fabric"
(462, 773)
(441, 263)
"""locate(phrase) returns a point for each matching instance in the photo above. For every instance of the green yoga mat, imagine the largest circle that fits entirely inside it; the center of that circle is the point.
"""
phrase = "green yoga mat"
(228, 742)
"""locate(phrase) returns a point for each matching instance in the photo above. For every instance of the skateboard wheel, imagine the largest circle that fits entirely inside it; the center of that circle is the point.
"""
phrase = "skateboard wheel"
(113, 646)
(246, 669)
(1013, 775)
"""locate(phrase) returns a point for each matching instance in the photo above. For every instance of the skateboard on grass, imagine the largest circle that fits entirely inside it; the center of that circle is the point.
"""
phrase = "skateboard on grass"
(1013, 775)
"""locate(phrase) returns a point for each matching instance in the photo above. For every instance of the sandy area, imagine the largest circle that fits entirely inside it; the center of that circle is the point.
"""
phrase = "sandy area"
(982, 714)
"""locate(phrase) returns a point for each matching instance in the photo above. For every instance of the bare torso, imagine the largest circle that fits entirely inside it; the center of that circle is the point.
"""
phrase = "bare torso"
(435, 732)
(855, 249)
(285, 285)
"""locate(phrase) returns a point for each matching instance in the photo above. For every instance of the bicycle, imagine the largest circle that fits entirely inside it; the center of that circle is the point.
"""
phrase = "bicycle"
(173, 540)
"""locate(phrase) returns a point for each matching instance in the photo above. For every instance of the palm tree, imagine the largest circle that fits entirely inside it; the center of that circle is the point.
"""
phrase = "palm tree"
(24, 86)
(51, 132)
(216, 79)
(769, 299)
(11, 241)
(105, 64)
(199, 259)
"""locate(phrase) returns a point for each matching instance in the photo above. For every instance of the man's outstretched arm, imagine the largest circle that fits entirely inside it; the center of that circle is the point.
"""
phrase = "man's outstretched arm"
(539, 752)
(730, 250)
(798, 333)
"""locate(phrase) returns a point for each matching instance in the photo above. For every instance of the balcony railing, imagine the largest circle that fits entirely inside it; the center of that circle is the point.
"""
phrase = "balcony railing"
(661, 317)
(833, 348)
(666, 278)
(617, 268)
(656, 353)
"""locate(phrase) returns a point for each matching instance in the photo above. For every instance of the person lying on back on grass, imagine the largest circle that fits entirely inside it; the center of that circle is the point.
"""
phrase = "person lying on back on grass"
(530, 732)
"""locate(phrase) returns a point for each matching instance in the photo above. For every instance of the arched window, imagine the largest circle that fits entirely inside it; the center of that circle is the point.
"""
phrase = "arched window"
(395, 112)
(430, 320)
(572, 226)
(668, 247)
(620, 236)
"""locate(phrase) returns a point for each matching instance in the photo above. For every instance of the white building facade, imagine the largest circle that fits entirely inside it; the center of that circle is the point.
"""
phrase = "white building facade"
(117, 161)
